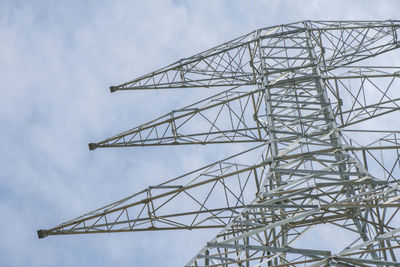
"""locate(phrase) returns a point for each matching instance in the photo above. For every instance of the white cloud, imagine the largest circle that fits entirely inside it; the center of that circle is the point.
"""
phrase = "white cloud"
(57, 61)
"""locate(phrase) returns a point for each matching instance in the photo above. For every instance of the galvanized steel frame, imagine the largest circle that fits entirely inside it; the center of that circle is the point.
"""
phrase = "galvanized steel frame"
(294, 91)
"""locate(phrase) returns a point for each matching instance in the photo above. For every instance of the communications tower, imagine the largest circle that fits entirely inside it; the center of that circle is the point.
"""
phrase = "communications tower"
(304, 97)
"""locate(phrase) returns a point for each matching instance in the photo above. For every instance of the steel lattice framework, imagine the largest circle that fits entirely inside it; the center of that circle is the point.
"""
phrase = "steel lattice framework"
(300, 94)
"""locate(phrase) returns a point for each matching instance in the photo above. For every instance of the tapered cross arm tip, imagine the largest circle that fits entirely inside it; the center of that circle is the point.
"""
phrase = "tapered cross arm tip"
(41, 233)
(113, 89)
(92, 146)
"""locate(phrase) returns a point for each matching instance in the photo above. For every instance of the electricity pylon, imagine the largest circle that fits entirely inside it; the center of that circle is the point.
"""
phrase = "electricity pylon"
(299, 93)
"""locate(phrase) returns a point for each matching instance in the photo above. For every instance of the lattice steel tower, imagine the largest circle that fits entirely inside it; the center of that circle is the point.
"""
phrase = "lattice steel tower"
(298, 95)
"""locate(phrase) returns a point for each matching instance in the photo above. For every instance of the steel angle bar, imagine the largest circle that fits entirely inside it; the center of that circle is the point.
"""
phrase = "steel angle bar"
(272, 225)
(369, 242)
(366, 261)
(307, 252)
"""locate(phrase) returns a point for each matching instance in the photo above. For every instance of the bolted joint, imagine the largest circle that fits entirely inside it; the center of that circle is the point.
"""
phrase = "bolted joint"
(42, 234)
(113, 89)
(92, 146)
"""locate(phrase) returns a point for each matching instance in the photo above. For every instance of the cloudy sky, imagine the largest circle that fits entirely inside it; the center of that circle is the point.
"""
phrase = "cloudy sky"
(57, 60)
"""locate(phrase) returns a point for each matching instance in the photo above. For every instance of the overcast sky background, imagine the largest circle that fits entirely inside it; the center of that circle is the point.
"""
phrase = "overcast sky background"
(57, 60)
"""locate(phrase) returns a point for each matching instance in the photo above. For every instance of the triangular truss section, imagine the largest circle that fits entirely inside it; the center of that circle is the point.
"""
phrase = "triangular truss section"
(299, 96)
